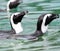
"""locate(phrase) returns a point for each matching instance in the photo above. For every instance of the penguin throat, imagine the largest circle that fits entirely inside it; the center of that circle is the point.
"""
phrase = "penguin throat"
(43, 26)
(17, 28)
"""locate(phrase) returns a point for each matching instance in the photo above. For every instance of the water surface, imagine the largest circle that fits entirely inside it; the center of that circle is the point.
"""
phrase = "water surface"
(51, 40)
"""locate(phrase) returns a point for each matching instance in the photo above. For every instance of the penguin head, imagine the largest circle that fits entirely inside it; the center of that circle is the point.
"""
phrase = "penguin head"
(13, 4)
(44, 20)
(16, 19)
(50, 17)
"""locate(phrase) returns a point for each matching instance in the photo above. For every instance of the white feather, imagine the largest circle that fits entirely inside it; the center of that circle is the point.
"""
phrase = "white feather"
(12, 0)
(43, 27)
(8, 6)
(16, 27)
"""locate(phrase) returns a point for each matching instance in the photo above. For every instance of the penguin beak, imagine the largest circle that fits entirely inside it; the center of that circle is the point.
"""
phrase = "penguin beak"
(23, 12)
(26, 12)
(56, 16)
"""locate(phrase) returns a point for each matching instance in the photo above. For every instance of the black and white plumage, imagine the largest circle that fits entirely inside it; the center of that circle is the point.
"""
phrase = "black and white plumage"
(42, 26)
(16, 26)
(13, 4)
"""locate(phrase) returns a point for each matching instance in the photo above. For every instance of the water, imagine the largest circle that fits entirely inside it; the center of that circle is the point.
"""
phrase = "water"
(51, 40)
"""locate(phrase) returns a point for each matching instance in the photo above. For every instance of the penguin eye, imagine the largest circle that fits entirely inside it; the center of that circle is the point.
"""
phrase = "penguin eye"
(14, 16)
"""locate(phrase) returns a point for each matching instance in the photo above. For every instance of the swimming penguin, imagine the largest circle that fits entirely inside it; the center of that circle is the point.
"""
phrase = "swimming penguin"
(16, 26)
(13, 4)
(42, 26)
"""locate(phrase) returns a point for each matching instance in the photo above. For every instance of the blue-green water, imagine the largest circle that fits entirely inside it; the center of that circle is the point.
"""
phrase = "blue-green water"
(51, 40)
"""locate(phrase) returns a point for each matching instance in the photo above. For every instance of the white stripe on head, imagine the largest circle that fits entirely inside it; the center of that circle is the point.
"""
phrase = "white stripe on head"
(43, 27)
(12, 0)
(8, 6)
(17, 27)
(9, 3)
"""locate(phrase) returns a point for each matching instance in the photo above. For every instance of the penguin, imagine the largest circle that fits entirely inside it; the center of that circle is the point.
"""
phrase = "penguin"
(13, 4)
(41, 27)
(15, 22)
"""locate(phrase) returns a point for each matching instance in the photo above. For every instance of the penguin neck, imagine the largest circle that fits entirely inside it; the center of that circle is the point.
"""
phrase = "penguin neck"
(44, 28)
(17, 28)
(41, 27)
(39, 23)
